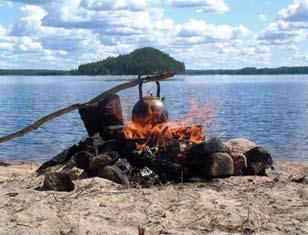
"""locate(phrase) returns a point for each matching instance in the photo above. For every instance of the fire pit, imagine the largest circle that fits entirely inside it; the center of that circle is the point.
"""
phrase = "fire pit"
(151, 149)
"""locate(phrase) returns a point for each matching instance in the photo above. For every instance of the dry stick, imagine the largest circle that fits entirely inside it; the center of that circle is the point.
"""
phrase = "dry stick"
(182, 181)
(192, 196)
(73, 107)
(141, 230)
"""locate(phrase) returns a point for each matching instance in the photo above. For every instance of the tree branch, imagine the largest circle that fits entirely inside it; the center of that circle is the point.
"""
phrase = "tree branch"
(73, 107)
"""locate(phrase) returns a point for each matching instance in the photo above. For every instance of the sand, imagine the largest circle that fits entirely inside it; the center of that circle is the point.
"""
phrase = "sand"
(235, 205)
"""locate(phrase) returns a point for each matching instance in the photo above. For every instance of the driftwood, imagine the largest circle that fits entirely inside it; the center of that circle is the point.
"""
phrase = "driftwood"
(73, 107)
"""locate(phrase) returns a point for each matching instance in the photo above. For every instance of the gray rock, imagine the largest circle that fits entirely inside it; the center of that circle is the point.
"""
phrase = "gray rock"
(220, 165)
(124, 166)
(114, 174)
(258, 160)
(90, 145)
(59, 159)
(215, 145)
(303, 180)
(240, 163)
(82, 160)
(197, 153)
(99, 161)
(74, 173)
(240, 145)
(58, 181)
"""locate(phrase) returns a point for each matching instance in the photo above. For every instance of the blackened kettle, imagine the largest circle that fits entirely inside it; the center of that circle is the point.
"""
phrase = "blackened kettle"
(149, 109)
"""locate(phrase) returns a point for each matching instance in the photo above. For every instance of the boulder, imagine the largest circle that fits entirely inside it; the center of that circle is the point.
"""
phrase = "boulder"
(240, 145)
(58, 181)
(114, 174)
(168, 171)
(124, 166)
(258, 160)
(82, 160)
(99, 161)
(198, 152)
(215, 145)
(5, 163)
(90, 145)
(75, 173)
(240, 163)
(198, 160)
(113, 146)
(220, 165)
(59, 159)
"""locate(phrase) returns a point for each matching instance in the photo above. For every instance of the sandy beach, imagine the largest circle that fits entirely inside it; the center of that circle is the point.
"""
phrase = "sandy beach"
(235, 205)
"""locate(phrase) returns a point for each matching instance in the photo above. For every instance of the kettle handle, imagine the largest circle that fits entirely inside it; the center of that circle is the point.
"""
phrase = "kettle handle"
(157, 91)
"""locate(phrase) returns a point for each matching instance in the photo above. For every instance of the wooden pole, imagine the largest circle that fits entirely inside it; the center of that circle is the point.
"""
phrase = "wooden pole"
(73, 107)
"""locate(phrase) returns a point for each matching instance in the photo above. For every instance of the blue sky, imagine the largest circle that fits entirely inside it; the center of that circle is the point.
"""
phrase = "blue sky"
(205, 34)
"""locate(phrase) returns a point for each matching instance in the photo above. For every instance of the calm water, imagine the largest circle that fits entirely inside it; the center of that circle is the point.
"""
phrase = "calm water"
(270, 110)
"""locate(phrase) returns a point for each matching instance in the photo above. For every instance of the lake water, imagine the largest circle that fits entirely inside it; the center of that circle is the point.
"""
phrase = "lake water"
(270, 110)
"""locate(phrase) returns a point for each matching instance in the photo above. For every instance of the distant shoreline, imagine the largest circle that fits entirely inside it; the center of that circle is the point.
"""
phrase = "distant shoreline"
(299, 70)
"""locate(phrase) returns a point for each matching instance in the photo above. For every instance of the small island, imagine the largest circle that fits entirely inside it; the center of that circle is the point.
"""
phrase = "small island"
(145, 60)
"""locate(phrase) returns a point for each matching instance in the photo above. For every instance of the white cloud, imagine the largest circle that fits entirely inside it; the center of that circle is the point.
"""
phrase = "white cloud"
(256, 50)
(2, 30)
(30, 22)
(111, 22)
(212, 6)
(290, 27)
(206, 6)
(65, 33)
(26, 44)
(301, 56)
(133, 5)
(274, 36)
(6, 46)
(296, 12)
(6, 4)
(263, 17)
(293, 48)
(198, 31)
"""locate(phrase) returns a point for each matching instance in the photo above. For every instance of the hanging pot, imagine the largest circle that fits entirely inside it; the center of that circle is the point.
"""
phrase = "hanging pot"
(150, 109)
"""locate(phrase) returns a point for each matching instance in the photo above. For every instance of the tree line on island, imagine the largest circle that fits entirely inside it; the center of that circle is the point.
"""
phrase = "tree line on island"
(141, 61)
(34, 72)
(251, 71)
(149, 60)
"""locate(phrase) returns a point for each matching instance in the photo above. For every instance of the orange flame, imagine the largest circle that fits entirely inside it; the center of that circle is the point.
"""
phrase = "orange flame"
(160, 135)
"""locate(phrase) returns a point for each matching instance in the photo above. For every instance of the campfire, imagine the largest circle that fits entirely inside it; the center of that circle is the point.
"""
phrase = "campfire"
(151, 125)
(152, 148)
(159, 136)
